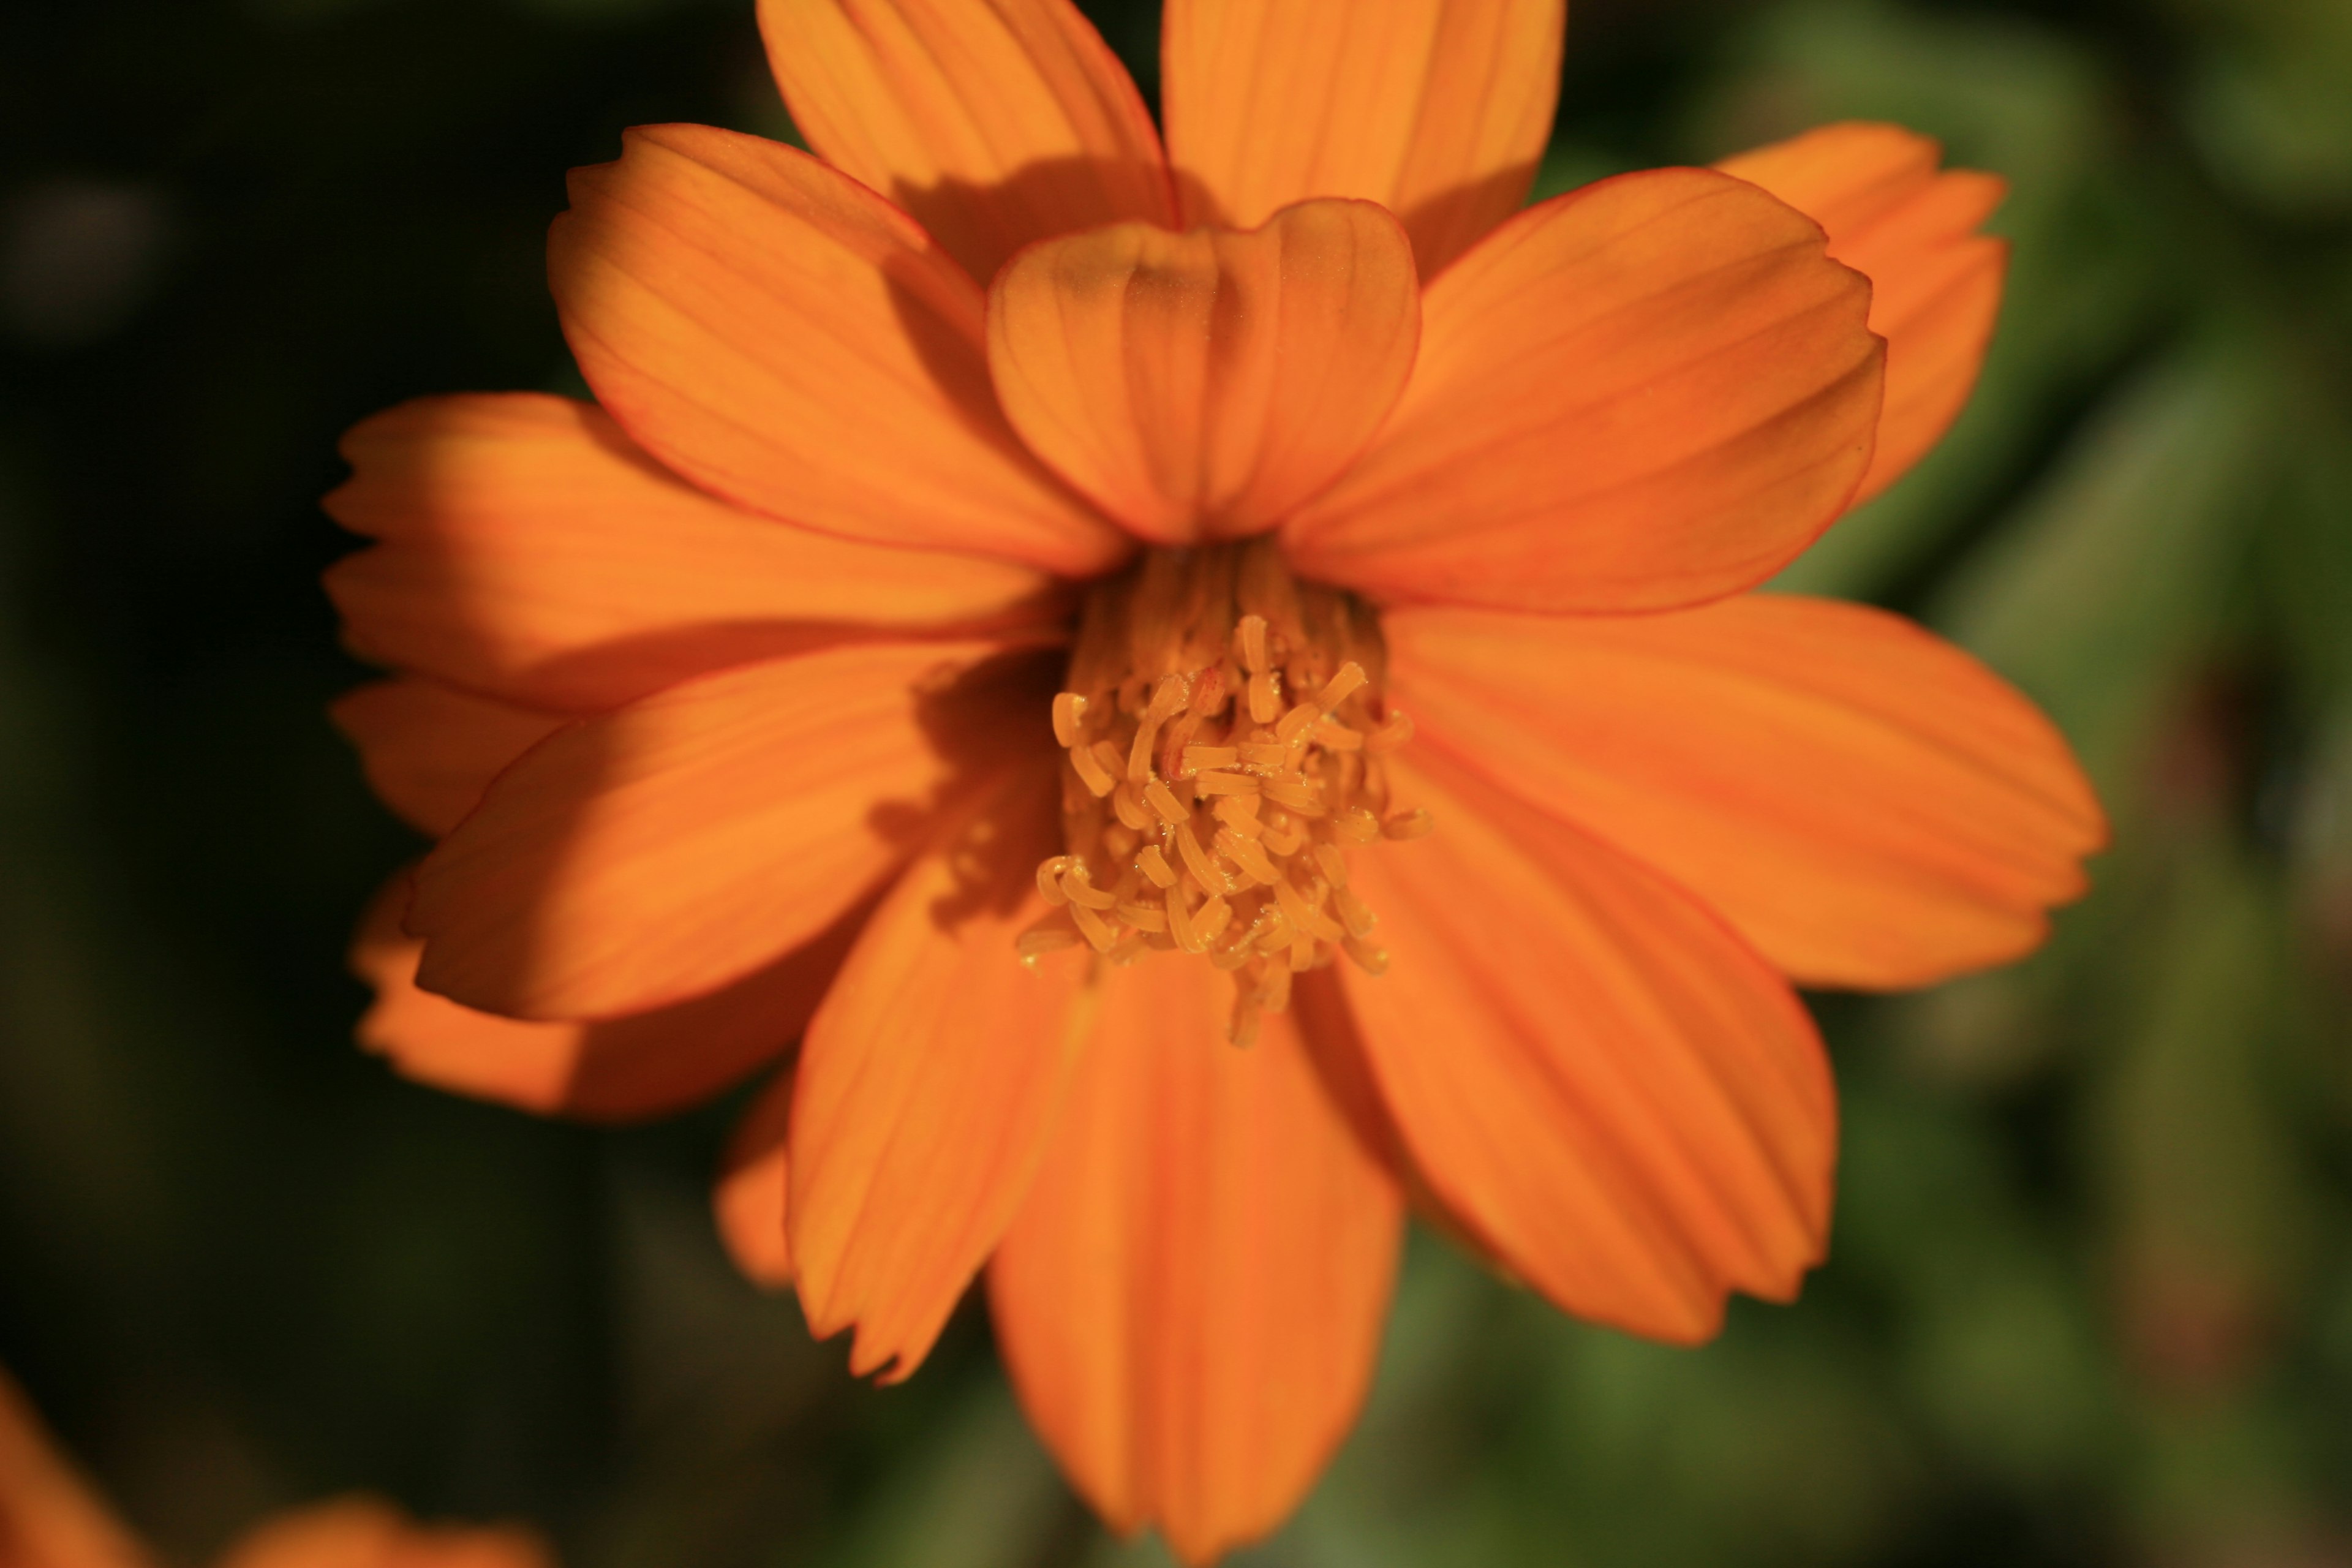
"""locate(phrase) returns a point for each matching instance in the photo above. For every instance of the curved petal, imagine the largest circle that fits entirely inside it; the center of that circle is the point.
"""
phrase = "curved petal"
(660, 852)
(994, 122)
(1189, 1301)
(778, 333)
(614, 1069)
(532, 551)
(753, 1194)
(49, 1516)
(1867, 804)
(1631, 1108)
(361, 1531)
(1935, 280)
(930, 1083)
(429, 750)
(1438, 109)
(1205, 384)
(1648, 392)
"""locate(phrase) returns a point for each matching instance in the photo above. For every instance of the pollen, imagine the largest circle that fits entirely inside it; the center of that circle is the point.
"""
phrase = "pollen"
(1224, 730)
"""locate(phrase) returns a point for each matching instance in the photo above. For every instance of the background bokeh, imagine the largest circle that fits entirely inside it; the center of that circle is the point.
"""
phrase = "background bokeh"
(2090, 1297)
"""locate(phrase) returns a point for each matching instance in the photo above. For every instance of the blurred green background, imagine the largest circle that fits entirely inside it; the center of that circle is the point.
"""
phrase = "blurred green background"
(2090, 1297)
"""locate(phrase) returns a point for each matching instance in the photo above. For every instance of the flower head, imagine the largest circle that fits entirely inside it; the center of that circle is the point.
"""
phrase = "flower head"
(1029, 614)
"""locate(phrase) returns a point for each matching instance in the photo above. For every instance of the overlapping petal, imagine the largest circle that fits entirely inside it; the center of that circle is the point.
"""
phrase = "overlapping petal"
(1438, 109)
(1935, 281)
(1203, 385)
(1649, 392)
(528, 549)
(781, 336)
(613, 1070)
(659, 852)
(994, 122)
(430, 750)
(1868, 805)
(754, 1193)
(930, 1083)
(1597, 1079)
(1190, 1300)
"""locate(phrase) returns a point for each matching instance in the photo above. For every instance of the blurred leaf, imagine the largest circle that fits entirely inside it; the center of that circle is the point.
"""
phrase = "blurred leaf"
(2093, 596)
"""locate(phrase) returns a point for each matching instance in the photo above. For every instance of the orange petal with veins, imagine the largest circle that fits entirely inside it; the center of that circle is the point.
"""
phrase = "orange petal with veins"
(1867, 804)
(929, 1084)
(528, 550)
(753, 1191)
(1631, 1108)
(993, 123)
(613, 1070)
(1190, 1301)
(1649, 392)
(429, 750)
(662, 851)
(1203, 385)
(1935, 281)
(778, 333)
(1438, 109)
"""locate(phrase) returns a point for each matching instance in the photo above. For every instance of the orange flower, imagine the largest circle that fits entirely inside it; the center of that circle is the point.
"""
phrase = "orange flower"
(49, 1518)
(974, 631)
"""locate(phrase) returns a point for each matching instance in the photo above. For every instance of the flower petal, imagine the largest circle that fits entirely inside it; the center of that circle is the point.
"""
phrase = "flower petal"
(1190, 1302)
(1205, 384)
(1935, 280)
(752, 1196)
(1631, 1108)
(1438, 109)
(430, 750)
(49, 1516)
(532, 551)
(614, 1069)
(778, 333)
(1868, 805)
(993, 123)
(361, 1532)
(660, 852)
(1648, 392)
(930, 1083)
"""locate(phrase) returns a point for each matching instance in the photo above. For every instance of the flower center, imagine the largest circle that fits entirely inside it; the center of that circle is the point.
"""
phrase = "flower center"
(1224, 731)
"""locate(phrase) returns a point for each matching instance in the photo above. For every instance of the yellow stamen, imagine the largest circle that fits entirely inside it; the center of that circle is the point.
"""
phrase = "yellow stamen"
(1095, 929)
(1069, 712)
(1223, 809)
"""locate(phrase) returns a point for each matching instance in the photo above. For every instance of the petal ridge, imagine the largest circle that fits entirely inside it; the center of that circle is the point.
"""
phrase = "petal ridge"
(660, 851)
(781, 336)
(1439, 110)
(993, 124)
(1635, 1112)
(930, 1085)
(1866, 802)
(1936, 281)
(527, 549)
(1203, 385)
(1649, 392)
(1190, 1300)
